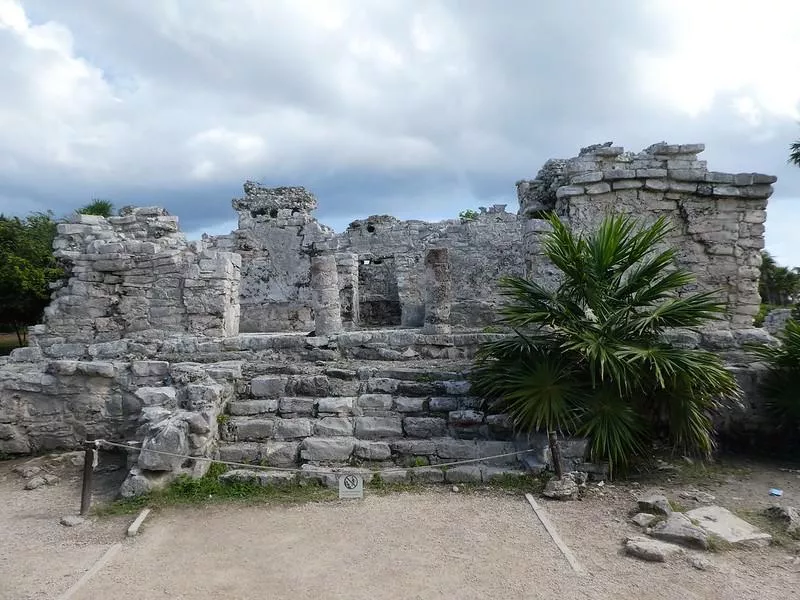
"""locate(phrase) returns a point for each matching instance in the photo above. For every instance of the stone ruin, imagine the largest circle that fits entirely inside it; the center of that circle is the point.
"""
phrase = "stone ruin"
(289, 345)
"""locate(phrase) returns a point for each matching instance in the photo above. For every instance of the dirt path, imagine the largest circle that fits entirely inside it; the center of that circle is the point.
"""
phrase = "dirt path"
(436, 544)
(39, 557)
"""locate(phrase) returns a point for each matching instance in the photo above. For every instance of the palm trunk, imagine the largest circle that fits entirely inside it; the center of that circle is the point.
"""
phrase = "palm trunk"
(555, 454)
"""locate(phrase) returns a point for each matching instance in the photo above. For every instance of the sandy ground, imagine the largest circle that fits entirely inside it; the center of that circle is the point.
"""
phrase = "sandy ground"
(437, 544)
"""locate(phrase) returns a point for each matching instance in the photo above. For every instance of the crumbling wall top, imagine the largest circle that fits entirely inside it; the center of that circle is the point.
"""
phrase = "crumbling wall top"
(265, 201)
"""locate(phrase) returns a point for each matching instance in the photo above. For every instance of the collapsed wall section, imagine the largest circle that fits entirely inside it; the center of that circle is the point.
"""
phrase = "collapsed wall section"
(392, 253)
(135, 276)
(275, 234)
(718, 218)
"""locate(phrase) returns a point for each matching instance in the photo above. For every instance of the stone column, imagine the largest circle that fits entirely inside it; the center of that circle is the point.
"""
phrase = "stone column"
(437, 292)
(538, 267)
(325, 295)
(347, 267)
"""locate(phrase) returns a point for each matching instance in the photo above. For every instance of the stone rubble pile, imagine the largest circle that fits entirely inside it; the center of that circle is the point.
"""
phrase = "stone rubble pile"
(670, 533)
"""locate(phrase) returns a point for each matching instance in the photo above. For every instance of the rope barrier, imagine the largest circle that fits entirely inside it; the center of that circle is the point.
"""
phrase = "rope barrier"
(326, 471)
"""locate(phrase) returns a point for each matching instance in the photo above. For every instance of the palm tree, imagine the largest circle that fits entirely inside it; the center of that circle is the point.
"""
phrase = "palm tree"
(588, 358)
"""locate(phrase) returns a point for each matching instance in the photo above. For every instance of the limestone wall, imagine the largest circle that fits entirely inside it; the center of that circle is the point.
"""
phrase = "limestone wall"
(481, 250)
(135, 276)
(275, 235)
(718, 217)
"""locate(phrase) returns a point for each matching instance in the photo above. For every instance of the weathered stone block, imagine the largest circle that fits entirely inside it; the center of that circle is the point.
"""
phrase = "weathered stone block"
(414, 447)
(409, 405)
(463, 474)
(300, 406)
(157, 396)
(598, 188)
(375, 402)
(443, 404)
(465, 418)
(427, 475)
(372, 450)
(286, 429)
(340, 406)
(456, 449)
(248, 429)
(170, 436)
(334, 426)
(150, 368)
(268, 387)
(378, 427)
(253, 407)
(280, 454)
(424, 427)
(382, 385)
(319, 449)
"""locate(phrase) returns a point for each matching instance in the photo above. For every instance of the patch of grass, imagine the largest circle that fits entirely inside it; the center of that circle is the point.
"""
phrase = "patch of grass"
(424, 378)
(717, 544)
(223, 418)
(209, 490)
(780, 537)
(677, 506)
(524, 484)
(8, 342)
(697, 473)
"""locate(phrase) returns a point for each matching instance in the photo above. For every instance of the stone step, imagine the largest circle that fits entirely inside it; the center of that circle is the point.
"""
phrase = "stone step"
(330, 476)
(330, 384)
(364, 417)
(330, 449)
(459, 409)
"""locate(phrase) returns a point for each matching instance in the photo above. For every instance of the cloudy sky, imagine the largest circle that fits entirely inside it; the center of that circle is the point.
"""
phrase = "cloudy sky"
(414, 108)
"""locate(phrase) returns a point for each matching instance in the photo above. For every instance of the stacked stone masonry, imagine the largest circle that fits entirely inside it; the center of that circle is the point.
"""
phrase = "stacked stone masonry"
(287, 344)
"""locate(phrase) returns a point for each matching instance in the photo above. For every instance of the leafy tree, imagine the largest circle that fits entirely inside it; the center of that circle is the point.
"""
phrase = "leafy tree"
(101, 208)
(27, 267)
(588, 358)
(794, 153)
(778, 286)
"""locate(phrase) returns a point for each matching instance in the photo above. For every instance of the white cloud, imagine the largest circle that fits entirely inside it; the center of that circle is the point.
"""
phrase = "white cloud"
(390, 106)
(719, 46)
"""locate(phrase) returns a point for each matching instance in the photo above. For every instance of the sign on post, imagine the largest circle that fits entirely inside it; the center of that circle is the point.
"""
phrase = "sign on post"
(351, 486)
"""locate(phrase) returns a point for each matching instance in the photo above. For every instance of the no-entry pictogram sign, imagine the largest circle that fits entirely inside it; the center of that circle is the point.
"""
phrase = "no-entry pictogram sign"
(351, 486)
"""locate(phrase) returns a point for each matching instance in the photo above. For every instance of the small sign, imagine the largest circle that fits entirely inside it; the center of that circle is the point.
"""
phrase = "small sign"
(351, 486)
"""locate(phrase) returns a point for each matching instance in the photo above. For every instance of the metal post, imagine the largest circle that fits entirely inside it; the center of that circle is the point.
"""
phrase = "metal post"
(88, 471)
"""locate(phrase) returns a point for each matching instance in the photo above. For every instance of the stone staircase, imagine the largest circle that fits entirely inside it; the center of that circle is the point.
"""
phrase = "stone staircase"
(371, 415)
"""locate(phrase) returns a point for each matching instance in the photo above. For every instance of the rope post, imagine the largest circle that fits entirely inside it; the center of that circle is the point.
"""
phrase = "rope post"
(88, 470)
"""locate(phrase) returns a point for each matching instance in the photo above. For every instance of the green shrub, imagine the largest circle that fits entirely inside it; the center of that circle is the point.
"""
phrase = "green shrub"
(587, 357)
(781, 383)
(468, 215)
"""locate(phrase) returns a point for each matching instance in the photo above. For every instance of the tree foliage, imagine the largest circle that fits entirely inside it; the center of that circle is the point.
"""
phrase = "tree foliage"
(101, 208)
(27, 267)
(588, 357)
(778, 286)
(781, 383)
(794, 153)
